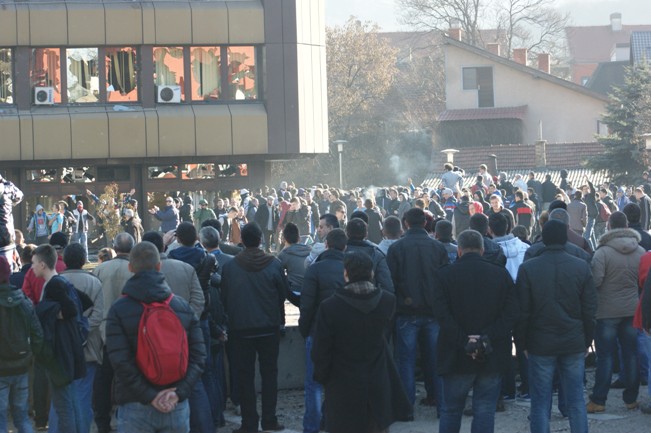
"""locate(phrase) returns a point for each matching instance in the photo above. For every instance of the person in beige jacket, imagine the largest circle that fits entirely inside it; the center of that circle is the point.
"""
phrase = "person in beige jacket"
(615, 271)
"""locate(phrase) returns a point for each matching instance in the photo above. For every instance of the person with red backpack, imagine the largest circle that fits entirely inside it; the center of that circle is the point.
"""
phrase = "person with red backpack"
(156, 347)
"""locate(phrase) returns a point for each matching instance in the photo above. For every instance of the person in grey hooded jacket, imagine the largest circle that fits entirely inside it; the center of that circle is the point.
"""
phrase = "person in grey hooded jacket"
(292, 257)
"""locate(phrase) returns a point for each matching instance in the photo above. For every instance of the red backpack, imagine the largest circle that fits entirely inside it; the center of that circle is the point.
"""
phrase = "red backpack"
(162, 352)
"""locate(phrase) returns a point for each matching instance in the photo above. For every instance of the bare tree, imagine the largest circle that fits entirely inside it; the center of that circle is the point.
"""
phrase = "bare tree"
(440, 14)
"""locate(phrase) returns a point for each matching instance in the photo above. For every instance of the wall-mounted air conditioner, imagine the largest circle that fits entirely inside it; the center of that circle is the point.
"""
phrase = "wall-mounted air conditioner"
(43, 95)
(168, 94)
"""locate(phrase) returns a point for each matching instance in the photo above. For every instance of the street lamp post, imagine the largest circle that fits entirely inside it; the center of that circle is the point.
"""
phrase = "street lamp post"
(340, 149)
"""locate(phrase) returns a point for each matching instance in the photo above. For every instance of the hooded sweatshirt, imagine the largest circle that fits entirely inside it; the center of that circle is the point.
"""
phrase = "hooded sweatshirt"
(615, 267)
(460, 218)
(293, 261)
(514, 250)
(39, 222)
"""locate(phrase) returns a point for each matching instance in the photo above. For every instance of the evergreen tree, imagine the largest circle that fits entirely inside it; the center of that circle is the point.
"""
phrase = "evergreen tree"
(628, 117)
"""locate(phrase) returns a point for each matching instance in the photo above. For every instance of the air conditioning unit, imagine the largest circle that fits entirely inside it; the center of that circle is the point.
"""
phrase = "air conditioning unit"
(43, 95)
(168, 94)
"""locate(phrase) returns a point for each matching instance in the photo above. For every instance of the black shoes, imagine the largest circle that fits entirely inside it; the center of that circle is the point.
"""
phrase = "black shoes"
(274, 427)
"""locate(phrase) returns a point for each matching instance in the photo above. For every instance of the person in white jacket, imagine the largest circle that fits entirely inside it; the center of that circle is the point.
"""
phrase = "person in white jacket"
(513, 247)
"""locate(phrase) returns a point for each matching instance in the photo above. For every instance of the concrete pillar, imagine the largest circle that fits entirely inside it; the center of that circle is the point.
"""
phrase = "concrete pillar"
(520, 56)
(541, 153)
(544, 62)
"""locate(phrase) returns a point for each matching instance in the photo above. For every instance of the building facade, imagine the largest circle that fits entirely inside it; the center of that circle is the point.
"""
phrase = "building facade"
(160, 96)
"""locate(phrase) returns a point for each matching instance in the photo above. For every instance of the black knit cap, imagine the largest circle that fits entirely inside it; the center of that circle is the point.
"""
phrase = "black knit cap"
(554, 232)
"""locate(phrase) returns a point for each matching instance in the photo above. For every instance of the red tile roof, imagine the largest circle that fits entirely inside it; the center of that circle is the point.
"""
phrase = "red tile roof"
(484, 113)
(594, 44)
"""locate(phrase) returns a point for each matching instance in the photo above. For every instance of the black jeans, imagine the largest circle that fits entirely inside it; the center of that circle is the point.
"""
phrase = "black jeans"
(41, 394)
(244, 356)
(102, 398)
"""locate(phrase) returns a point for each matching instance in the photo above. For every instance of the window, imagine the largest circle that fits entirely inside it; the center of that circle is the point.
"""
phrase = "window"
(121, 74)
(198, 171)
(6, 77)
(169, 172)
(232, 170)
(242, 73)
(82, 75)
(62, 175)
(112, 173)
(206, 73)
(480, 79)
(45, 70)
(168, 67)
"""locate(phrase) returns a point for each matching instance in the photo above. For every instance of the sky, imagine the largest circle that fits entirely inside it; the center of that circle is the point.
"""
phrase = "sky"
(583, 12)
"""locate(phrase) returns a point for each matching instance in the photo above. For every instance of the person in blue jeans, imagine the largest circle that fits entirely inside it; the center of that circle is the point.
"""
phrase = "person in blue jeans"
(322, 279)
(615, 271)
(413, 261)
(558, 302)
(21, 337)
(474, 345)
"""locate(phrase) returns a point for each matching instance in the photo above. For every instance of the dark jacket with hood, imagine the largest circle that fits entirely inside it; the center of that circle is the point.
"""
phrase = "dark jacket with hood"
(203, 263)
(493, 252)
(548, 191)
(492, 312)
(645, 237)
(539, 247)
(186, 211)
(322, 279)
(461, 218)
(17, 311)
(381, 273)
(122, 324)
(253, 293)
(374, 225)
(353, 362)
(413, 261)
(558, 302)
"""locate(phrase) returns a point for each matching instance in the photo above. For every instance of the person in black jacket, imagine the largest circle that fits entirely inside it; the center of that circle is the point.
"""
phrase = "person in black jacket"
(558, 303)
(253, 292)
(351, 356)
(548, 192)
(413, 261)
(474, 345)
(138, 399)
(374, 221)
(492, 250)
(632, 212)
(357, 230)
(322, 279)
(267, 218)
(21, 335)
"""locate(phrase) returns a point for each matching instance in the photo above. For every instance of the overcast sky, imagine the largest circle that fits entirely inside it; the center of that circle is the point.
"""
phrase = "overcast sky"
(583, 12)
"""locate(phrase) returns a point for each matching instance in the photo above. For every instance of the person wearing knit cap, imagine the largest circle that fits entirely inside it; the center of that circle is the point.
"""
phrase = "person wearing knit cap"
(558, 303)
(21, 337)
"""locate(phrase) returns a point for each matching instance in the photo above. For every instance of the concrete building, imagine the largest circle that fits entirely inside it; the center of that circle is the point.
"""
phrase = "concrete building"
(160, 96)
(494, 100)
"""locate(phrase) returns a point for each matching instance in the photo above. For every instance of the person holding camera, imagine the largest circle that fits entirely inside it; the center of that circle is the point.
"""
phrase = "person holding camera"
(474, 344)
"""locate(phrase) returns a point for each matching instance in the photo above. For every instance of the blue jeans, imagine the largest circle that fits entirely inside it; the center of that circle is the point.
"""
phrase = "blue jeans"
(200, 413)
(66, 405)
(606, 335)
(407, 331)
(84, 394)
(588, 234)
(82, 238)
(486, 390)
(541, 376)
(646, 342)
(141, 418)
(313, 392)
(14, 394)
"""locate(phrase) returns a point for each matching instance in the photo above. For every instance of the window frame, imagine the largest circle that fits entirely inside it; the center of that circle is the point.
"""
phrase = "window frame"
(12, 72)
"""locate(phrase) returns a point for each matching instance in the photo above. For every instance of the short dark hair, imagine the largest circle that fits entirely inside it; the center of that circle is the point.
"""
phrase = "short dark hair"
(290, 233)
(617, 220)
(27, 253)
(443, 230)
(356, 229)
(330, 220)
(632, 212)
(479, 222)
(361, 215)
(498, 224)
(124, 242)
(74, 256)
(214, 223)
(47, 254)
(155, 238)
(144, 257)
(358, 266)
(186, 234)
(519, 194)
(251, 235)
(470, 240)
(209, 237)
(578, 195)
(336, 239)
(105, 254)
(392, 225)
(415, 217)
(557, 204)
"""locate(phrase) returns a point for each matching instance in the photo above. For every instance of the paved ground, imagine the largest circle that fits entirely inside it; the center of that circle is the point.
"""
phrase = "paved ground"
(617, 418)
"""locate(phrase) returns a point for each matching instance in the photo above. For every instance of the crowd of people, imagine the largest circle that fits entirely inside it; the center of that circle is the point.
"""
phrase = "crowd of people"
(170, 323)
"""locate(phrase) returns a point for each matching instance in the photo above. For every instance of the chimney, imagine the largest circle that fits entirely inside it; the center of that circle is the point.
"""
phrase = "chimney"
(544, 63)
(455, 31)
(493, 48)
(520, 56)
(616, 22)
(450, 154)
